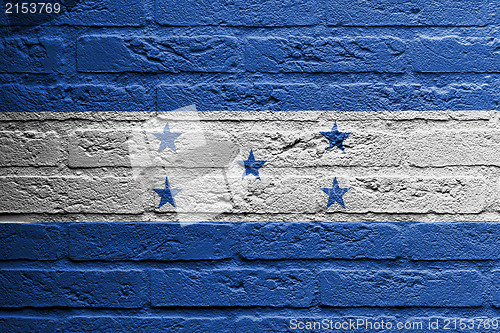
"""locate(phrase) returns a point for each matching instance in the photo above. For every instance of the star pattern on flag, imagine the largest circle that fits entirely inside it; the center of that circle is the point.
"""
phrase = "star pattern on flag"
(251, 166)
(335, 194)
(335, 138)
(167, 194)
(167, 138)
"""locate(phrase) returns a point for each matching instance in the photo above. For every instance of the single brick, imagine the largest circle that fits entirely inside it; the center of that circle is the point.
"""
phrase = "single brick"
(176, 54)
(31, 194)
(307, 240)
(23, 324)
(355, 288)
(495, 279)
(253, 13)
(32, 241)
(325, 55)
(76, 97)
(203, 191)
(382, 97)
(145, 241)
(274, 193)
(451, 54)
(420, 194)
(31, 148)
(456, 96)
(29, 55)
(449, 148)
(121, 324)
(104, 13)
(195, 148)
(96, 148)
(240, 96)
(68, 288)
(404, 13)
(232, 287)
(281, 191)
(452, 241)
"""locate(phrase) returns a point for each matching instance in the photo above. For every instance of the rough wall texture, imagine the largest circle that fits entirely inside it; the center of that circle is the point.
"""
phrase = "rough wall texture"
(438, 166)
(247, 277)
(253, 55)
(424, 162)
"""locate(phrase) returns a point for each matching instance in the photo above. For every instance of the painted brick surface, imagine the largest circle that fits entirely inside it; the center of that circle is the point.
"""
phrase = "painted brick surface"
(94, 148)
(33, 241)
(232, 287)
(325, 55)
(29, 324)
(369, 194)
(110, 54)
(401, 13)
(111, 324)
(320, 241)
(29, 55)
(242, 96)
(367, 97)
(358, 96)
(401, 288)
(372, 49)
(107, 241)
(74, 97)
(262, 271)
(84, 288)
(31, 148)
(446, 241)
(104, 13)
(98, 148)
(70, 194)
(416, 84)
(380, 148)
(237, 13)
(455, 55)
(469, 148)
(496, 289)
(395, 164)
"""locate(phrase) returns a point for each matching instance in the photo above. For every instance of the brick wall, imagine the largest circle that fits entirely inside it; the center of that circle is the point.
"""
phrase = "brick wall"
(250, 55)
(401, 166)
(417, 242)
(234, 275)
(244, 277)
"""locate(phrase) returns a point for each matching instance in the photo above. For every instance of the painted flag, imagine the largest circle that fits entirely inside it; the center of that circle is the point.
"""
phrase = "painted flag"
(192, 166)
(310, 165)
(249, 166)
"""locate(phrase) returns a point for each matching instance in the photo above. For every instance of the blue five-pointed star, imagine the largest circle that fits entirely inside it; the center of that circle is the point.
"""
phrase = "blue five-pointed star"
(167, 194)
(335, 138)
(252, 166)
(335, 194)
(167, 138)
